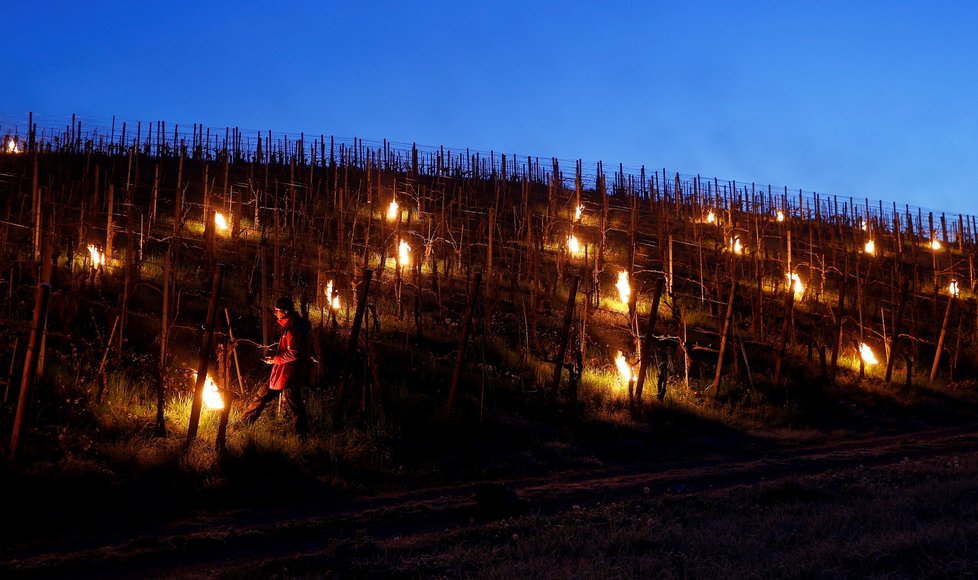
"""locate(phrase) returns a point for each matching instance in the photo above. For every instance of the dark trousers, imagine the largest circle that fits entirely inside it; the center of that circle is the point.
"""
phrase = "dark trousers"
(293, 400)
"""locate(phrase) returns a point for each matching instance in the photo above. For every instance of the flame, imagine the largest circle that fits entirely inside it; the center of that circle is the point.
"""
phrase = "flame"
(780, 216)
(863, 225)
(796, 283)
(577, 213)
(710, 218)
(735, 246)
(867, 354)
(392, 210)
(334, 301)
(212, 397)
(573, 245)
(935, 245)
(220, 221)
(953, 288)
(624, 369)
(624, 290)
(98, 258)
(403, 249)
(12, 146)
(870, 247)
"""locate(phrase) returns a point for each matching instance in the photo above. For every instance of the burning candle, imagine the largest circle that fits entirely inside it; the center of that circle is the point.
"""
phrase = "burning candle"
(624, 369)
(573, 246)
(780, 216)
(935, 245)
(953, 288)
(795, 281)
(710, 218)
(624, 290)
(403, 251)
(577, 213)
(98, 258)
(212, 397)
(334, 301)
(867, 354)
(735, 246)
(12, 146)
(220, 221)
(392, 210)
(870, 247)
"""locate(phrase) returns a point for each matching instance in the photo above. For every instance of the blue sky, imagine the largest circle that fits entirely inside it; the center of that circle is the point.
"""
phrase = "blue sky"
(873, 99)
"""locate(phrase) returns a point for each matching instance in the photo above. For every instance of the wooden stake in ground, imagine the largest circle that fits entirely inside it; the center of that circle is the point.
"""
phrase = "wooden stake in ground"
(897, 326)
(649, 339)
(463, 340)
(351, 346)
(30, 364)
(728, 317)
(205, 354)
(940, 339)
(789, 302)
(562, 346)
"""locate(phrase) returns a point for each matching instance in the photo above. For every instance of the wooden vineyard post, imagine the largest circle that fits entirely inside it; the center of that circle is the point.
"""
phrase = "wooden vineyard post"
(103, 381)
(351, 346)
(30, 364)
(109, 226)
(463, 340)
(205, 354)
(723, 333)
(940, 339)
(646, 344)
(789, 302)
(838, 326)
(562, 346)
(897, 327)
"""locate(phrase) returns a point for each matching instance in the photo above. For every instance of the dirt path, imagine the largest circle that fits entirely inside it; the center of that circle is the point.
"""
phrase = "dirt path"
(210, 543)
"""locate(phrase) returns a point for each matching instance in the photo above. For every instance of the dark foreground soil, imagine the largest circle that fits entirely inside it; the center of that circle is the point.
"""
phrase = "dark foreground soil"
(416, 533)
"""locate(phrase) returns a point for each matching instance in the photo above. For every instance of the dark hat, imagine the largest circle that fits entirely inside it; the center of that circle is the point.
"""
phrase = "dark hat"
(284, 304)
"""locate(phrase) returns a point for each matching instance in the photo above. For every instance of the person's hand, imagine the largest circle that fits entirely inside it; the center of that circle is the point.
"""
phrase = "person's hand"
(268, 360)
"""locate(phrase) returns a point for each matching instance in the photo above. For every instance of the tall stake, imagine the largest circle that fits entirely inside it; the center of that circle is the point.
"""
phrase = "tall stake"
(940, 340)
(205, 354)
(351, 346)
(647, 343)
(463, 340)
(562, 346)
(30, 363)
(726, 329)
(897, 325)
(789, 302)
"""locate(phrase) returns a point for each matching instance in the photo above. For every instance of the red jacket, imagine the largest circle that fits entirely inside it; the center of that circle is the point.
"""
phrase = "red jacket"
(291, 359)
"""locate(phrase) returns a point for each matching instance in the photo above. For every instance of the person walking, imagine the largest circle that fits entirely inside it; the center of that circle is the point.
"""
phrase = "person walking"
(290, 367)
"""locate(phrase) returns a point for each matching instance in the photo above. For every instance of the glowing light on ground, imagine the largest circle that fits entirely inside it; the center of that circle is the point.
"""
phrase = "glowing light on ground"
(212, 398)
(735, 246)
(710, 218)
(624, 290)
(780, 216)
(624, 369)
(867, 354)
(935, 245)
(577, 213)
(220, 221)
(573, 246)
(98, 258)
(953, 288)
(863, 225)
(334, 301)
(403, 253)
(796, 283)
(870, 247)
(392, 210)
(12, 146)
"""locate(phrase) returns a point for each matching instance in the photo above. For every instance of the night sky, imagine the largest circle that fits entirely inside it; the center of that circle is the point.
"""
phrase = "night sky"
(869, 99)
